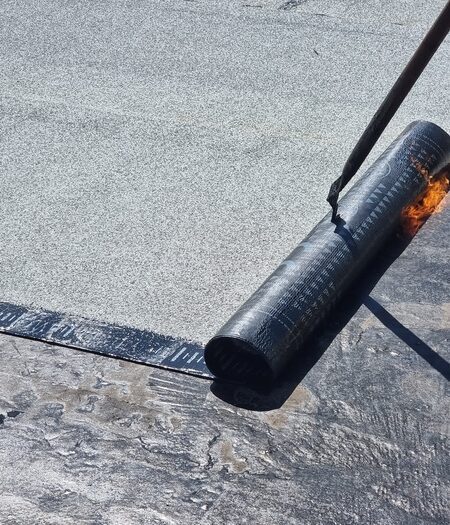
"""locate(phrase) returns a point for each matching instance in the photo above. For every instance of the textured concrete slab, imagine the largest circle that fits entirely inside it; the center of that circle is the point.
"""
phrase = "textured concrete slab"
(160, 158)
(361, 437)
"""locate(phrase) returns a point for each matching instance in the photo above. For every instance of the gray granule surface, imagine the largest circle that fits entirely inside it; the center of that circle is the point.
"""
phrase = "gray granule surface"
(158, 159)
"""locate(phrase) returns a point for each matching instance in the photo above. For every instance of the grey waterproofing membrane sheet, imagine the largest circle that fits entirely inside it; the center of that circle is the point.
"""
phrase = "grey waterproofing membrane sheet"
(159, 159)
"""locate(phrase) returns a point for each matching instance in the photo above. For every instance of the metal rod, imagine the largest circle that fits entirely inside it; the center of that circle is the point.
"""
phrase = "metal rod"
(391, 103)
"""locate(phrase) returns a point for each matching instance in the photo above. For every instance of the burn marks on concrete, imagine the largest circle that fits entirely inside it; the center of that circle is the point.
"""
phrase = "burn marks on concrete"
(12, 414)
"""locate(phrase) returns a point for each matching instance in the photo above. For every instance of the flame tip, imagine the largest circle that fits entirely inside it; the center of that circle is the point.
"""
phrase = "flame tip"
(428, 202)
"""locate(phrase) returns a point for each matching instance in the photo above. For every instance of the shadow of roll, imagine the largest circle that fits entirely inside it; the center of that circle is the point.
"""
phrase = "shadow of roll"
(269, 329)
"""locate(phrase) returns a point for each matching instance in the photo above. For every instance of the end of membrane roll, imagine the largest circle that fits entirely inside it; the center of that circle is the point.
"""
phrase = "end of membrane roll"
(236, 360)
(255, 345)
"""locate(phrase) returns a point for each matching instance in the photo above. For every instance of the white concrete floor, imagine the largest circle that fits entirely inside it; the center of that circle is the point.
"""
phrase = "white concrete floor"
(158, 159)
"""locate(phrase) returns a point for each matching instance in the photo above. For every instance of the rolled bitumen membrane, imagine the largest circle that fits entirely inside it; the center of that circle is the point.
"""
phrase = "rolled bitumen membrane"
(256, 344)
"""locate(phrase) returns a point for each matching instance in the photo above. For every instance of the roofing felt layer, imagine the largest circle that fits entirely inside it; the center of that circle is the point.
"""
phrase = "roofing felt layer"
(362, 439)
(158, 159)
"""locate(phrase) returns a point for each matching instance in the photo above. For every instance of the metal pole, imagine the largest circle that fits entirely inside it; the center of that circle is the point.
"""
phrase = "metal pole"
(391, 103)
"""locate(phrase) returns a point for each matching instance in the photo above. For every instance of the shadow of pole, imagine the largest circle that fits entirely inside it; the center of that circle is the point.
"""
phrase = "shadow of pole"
(408, 337)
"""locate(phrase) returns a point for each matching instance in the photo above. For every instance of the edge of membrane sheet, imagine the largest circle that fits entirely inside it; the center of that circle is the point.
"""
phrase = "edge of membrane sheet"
(112, 340)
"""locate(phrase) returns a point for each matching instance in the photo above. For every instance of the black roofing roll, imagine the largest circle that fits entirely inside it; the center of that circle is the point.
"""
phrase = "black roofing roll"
(263, 335)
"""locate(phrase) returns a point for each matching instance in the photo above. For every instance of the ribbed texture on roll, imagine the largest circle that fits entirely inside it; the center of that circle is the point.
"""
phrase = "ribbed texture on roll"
(271, 326)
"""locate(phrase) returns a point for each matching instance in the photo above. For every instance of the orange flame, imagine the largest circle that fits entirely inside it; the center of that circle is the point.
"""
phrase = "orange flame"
(430, 201)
